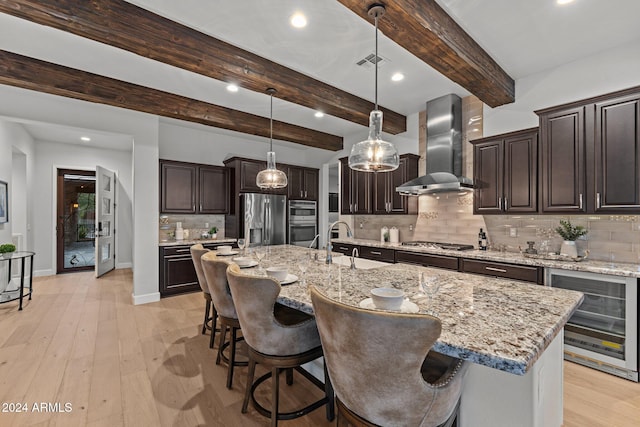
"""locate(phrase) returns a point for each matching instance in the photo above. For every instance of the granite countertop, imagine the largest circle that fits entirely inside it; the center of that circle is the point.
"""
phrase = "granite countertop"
(194, 241)
(500, 323)
(602, 267)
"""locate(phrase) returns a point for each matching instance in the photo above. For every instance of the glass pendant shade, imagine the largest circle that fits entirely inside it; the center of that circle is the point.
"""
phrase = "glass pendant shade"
(374, 154)
(271, 177)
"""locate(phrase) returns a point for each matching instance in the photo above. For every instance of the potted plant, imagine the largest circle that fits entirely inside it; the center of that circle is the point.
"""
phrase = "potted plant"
(7, 249)
(213, 231)
(569, 234)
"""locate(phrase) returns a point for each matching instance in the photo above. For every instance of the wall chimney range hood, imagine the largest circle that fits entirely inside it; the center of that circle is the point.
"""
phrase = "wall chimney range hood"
(444, 151)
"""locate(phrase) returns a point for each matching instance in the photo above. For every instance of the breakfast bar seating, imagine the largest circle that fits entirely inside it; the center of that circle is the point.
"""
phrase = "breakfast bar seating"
(279, 338)
(375, 385)
(215, 271)
(210, 313)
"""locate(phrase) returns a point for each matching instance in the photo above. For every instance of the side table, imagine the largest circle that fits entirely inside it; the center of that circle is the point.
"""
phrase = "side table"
(18, 294)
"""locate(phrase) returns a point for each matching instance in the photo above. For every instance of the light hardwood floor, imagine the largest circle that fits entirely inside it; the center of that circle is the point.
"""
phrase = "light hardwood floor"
(81, 341)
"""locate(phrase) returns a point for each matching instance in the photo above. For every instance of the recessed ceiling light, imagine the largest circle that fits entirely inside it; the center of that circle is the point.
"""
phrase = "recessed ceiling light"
(319, 114)
(563, 2)
(232, 88)
(397, 77)
(298, 20)
(85, 138)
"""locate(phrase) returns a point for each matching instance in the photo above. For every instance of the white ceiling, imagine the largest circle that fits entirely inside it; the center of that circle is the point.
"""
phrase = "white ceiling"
(523, 36)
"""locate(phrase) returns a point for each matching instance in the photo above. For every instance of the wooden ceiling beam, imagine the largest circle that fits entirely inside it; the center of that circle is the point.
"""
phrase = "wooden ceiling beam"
(423, 28)
(34, 74)
(129, 27)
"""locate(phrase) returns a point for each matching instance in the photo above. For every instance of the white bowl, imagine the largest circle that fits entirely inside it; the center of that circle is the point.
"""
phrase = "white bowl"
(278, 273)
(243, 261)
(224, 249)
(387, 298)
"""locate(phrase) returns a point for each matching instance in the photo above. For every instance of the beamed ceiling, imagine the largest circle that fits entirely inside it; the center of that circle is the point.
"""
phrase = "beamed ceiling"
(250, 43)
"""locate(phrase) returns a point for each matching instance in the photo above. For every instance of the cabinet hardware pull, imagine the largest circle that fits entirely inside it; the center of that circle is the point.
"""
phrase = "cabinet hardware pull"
(506, 204)
(499, 270)
(580, 201)
(342, 248)
(598, 200)
(376, 253)
(194, 207)
(200, 206)
(182, 250)
(499, 203)
(305, 194)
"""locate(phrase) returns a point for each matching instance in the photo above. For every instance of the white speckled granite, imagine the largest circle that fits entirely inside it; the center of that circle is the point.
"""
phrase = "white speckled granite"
(603, 267)
(194, 241)
(500, 323)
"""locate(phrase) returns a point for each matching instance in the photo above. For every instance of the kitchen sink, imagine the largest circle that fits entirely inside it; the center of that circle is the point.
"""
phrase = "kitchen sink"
(361, 263)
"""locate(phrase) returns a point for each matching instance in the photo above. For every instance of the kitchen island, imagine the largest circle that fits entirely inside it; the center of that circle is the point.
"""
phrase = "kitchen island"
(511, 331)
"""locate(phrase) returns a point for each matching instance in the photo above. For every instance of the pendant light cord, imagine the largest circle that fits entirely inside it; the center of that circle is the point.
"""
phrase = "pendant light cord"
(376, 58)
(271, 125)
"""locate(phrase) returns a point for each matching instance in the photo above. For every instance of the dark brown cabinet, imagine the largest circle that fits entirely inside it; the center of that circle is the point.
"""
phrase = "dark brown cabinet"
(505, 173)
(191, 188)
(590, 155)
(501, 269)
(177, 273)
(427, 260)
(247, 171)
(386, 200)
(355, 190)
(302, 183)
(377, 254)
(617, 154)
(344, 248)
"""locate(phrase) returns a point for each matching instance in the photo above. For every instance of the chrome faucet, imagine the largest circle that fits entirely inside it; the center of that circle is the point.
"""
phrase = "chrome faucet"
(329, 259)
(313, 242)
(354, 254)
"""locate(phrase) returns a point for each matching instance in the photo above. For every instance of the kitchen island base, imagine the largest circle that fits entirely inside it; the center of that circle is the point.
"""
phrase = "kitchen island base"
(494, 398)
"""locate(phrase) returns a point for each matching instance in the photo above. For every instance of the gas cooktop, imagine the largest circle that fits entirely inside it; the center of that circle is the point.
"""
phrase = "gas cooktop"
(438, 245)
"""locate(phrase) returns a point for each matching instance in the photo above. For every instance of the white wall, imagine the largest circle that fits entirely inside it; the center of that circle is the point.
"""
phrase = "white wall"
(50, 157)
(608, 71)
(24, 105)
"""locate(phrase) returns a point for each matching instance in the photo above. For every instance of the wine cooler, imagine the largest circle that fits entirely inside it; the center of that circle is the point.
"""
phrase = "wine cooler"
(603, 332)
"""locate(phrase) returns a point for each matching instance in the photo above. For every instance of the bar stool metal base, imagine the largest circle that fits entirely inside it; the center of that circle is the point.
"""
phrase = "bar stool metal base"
(287, 363)
(227, 323)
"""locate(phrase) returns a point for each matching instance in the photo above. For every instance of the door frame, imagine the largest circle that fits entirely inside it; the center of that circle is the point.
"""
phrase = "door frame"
(58, 252)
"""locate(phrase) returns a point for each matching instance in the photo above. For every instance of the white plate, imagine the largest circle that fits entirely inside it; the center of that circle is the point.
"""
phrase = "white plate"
(407, 306)
(227, 253)
(251, 264)
(289, 279)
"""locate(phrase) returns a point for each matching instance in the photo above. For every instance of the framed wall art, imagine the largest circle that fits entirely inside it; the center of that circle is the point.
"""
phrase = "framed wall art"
(4, 202)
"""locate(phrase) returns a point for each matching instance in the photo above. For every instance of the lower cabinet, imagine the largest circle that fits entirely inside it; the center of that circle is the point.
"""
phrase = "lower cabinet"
(344, 248)
(499, 269)
(177, 273)
(428, 260)
(377, 254)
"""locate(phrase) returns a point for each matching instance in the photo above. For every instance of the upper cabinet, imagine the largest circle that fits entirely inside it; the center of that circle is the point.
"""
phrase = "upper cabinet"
(302, 183)
(375, 192)
(505, 173)
(386, 200)
(191, 188)
(590, 155)
(355, 190)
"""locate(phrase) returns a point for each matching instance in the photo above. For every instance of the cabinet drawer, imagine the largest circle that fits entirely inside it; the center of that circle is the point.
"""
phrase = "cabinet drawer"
(498, 269)
(378, 254)
(344, 248)
(427, 260)
(176, 250)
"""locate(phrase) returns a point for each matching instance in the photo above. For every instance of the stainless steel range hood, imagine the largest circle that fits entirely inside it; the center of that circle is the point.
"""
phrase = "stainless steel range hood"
(444, 151)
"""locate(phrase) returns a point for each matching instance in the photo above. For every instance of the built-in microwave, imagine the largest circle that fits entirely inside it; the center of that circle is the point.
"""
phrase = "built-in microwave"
(603, 331)
(303, 222)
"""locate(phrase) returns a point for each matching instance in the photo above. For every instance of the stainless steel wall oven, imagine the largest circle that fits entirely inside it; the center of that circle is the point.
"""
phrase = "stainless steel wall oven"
(303, 222)
(603, 332)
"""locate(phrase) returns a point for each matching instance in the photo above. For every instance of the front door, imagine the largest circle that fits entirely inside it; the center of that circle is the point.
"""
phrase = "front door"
(105, 220)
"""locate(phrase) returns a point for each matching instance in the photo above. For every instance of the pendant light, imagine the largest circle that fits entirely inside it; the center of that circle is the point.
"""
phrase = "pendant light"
(271, 177)
(374, 154)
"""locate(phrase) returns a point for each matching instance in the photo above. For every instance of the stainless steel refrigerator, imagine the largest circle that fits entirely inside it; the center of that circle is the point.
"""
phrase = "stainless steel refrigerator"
(264, 218)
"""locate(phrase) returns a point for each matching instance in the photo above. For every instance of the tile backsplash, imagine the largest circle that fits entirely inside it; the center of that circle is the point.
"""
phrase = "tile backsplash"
(195, 224)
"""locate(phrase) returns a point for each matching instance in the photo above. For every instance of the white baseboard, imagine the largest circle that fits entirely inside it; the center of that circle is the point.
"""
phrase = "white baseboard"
(145, 299)
(40, 273)
(121, 265)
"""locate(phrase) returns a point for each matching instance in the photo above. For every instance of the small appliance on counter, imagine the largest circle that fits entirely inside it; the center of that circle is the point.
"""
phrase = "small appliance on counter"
(179, 231)
(394, 235)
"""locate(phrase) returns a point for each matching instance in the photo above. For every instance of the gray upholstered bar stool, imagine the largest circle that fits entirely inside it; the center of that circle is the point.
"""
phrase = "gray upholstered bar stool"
(279, 338)
(381, 367)
(215, 271)
(210, 313)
